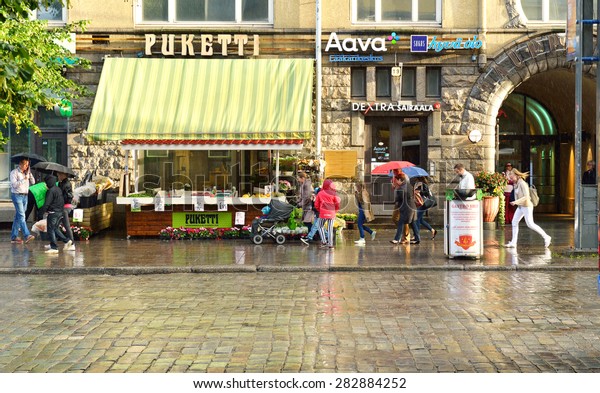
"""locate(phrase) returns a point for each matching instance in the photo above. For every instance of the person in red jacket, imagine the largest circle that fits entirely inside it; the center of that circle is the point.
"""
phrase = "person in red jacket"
(327, 204)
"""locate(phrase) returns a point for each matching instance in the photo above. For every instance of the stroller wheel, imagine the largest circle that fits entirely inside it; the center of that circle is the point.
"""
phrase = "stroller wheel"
(257, 239)
(280, 239)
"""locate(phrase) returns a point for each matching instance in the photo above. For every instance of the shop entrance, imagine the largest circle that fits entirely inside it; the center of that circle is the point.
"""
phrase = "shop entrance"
(528, 139)
(392, 139)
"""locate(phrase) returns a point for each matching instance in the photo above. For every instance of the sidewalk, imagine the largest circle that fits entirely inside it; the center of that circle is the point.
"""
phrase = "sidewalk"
(111, 253)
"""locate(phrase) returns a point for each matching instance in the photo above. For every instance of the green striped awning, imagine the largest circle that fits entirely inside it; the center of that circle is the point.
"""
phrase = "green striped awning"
(191, 99)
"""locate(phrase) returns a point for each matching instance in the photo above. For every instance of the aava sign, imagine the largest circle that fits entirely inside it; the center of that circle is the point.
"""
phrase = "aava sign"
(355, 44)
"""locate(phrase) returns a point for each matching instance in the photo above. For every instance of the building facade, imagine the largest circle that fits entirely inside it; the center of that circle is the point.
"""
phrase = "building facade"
(433, 82)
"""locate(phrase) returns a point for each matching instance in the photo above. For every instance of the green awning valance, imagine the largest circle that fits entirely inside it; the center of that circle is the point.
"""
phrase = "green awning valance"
(183, 99)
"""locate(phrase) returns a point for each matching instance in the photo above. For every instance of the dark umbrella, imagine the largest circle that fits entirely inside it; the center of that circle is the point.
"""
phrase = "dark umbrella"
(50, 167)
(33, 158)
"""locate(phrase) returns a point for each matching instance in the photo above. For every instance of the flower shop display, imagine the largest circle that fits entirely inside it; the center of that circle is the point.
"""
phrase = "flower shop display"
(492, 185)
(170, 233)
(81, 233)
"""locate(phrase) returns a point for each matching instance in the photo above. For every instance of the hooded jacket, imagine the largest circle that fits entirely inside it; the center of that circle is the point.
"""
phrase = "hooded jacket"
(327, 201)
(54, 197)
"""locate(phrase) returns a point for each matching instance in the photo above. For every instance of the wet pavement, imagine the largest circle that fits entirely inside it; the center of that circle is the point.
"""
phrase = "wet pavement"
(414, 321)
(111, 252)
(295, 308)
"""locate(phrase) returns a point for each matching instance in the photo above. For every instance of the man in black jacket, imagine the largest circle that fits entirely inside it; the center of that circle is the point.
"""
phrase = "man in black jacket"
(54, 207)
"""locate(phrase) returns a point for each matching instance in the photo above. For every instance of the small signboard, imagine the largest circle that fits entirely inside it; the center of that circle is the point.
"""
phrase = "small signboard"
(240, 218)
(198, 204)
(136, 206)
(78, 215)
(202, 219)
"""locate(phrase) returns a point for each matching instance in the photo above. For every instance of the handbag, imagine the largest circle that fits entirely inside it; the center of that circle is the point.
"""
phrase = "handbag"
(308, 216)
(533, 195)
(418, 198)
(396, 215)
(511, 198)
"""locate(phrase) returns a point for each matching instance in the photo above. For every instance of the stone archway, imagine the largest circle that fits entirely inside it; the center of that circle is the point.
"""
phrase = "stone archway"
(510, 67)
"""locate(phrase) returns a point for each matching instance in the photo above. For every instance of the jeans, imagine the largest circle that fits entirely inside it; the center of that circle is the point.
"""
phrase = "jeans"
(20, 202)
(360, 222)
(421, 220)
(67, 224)
(314, 228)
(526, 212)
(400, 229)
(53, 220)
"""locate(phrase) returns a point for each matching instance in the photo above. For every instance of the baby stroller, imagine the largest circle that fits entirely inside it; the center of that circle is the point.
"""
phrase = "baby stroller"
(279, 211)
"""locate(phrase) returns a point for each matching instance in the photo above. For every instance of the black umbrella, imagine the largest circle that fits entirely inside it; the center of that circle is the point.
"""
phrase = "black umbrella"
(33, 158)
(50, 167)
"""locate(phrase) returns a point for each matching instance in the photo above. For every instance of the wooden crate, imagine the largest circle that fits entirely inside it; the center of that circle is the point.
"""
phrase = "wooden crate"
(98, 217)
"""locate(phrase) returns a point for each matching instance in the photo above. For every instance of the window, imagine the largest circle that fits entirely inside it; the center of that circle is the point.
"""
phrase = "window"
(433, 82)
(545, 10)
(383, 82)
(358, 82)
(394, 11)
(409, 85)
(54, 14)
(205, 11)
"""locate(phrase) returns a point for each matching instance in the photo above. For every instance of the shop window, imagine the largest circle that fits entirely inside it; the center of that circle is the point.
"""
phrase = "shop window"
(545, 10)
(522, 115)
(49, 119)
(55, 13)
(383, 82)
(409, 82)
(433, 82)
(385, 11)
(206, 11)
(359, 82)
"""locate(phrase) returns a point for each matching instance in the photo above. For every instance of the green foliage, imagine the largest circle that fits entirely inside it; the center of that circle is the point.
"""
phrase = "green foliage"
(32, 64)
(502, 210)
(491, 183)
(347, 216)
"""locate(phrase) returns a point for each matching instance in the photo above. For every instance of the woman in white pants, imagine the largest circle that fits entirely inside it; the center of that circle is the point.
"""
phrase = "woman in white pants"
(524, 209)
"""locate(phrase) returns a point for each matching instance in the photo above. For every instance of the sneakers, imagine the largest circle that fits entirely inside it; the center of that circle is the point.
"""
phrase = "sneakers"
(29, 238)
(51, 251)
(359, 242)
(373, 235)
(304, 240)
(547, 241)
(510, 245)
(47, 247)
(69, 246)
(17, 241)
(394, 241)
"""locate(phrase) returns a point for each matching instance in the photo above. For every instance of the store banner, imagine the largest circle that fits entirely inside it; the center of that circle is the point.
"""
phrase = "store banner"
(202, 220)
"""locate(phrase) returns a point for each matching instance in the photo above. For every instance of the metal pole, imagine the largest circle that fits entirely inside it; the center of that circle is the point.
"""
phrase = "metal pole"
(598, 122)
(319, 80)
(578, 106)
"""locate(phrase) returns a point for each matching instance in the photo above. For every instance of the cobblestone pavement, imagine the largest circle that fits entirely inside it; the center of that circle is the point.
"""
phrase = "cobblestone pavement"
(418, 321)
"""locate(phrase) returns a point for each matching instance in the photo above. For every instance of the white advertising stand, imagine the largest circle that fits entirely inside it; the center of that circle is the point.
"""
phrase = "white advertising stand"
(463, 223)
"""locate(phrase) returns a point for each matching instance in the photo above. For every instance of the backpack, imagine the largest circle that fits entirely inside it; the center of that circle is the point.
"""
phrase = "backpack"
(533, 195)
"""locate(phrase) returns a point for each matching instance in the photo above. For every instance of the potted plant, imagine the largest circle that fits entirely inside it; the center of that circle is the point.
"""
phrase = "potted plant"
(286, 165)
(492, 185)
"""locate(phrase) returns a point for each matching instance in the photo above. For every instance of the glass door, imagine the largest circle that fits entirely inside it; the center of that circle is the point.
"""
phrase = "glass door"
(542, 172)
(53, 146)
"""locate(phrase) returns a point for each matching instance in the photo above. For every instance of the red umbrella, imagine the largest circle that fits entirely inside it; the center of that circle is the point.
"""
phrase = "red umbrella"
(389, 166)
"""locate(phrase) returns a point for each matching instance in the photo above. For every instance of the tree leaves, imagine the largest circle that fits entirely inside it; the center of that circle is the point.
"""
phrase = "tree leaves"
(32, 64)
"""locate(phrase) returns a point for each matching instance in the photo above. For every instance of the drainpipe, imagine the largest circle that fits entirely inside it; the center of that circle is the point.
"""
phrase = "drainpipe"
(319, 81)
(482, 58)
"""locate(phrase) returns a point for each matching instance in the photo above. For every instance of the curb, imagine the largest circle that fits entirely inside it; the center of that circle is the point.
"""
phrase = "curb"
(114, 271)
